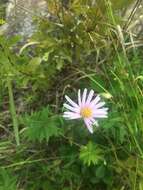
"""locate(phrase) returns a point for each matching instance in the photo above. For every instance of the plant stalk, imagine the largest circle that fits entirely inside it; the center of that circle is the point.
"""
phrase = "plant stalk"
(13, 111)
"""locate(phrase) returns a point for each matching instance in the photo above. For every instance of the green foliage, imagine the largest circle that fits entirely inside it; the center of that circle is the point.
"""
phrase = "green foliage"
(41, 125)
(7, 180)
(2, 11)
(79, 46)
(91, 154)
(7, 57)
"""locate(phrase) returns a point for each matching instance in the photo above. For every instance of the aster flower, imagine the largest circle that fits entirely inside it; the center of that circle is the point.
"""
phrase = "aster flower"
(89, 108)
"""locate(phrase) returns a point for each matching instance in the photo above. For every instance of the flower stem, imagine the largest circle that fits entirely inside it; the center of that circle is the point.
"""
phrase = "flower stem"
(13, 111)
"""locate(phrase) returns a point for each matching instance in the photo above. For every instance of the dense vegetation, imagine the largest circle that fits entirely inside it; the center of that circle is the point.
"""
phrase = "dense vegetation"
(84, 44)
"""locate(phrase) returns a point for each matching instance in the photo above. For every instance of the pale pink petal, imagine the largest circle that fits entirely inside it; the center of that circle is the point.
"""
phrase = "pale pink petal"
(104, 109)
(96, 115)
(88, 125)
(90, 96)
(79, 98)
(71, 115)
(93, 102)
(84, 97)
(71, 102)
(94, 122)
(100, 111)
(71, 108)
(69, 112)
(99, 105)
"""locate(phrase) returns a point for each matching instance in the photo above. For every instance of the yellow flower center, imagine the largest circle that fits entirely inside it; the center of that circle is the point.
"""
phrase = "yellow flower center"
(86, 112)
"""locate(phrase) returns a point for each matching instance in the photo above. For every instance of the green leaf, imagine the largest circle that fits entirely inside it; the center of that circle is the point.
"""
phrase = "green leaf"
(34, 64)
(41, 125)
(91, 154)
(7, 180)
(100, 171)
(47, 54)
